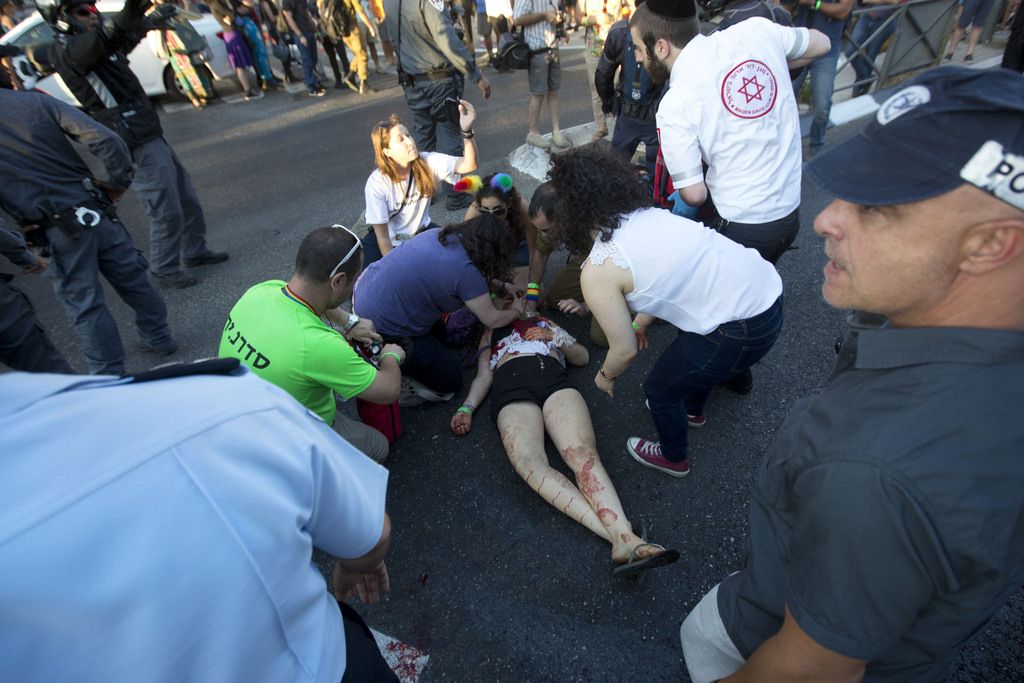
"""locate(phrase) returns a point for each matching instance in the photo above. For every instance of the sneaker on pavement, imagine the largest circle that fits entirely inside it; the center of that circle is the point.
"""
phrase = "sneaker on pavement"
(177, 280)
(317, 92)
(165, 350)
(206, 259)
(538, 140)
(407, 396)
(558, 139)
(648, 454)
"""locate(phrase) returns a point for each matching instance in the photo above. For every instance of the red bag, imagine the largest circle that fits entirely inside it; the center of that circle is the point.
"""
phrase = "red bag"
(386, 419)
(663, 187)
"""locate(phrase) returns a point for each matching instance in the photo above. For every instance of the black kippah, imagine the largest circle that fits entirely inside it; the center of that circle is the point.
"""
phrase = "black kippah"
(673, 9)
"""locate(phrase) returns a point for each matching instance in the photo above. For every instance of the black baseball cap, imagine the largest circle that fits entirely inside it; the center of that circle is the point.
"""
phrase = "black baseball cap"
(946, 127)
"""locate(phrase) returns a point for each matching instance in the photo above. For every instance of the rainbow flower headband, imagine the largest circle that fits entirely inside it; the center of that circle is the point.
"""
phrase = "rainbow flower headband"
(471, 184)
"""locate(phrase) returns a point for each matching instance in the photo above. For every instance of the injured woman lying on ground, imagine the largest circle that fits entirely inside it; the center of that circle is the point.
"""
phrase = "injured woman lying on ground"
(525, 362)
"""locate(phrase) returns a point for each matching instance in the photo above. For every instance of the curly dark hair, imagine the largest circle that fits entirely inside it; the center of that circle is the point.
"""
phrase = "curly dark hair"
(513, 202)
(595, 189)
(488, 243)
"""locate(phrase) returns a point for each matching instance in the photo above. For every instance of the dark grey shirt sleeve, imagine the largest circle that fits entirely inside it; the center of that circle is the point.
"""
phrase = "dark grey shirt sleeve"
(864, 558)
(439, 23)
(42, 171)
(103, 143)
(426, 39)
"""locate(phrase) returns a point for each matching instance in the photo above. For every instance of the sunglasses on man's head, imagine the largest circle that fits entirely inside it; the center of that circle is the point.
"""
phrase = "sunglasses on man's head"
(499, 210)
(350, 251)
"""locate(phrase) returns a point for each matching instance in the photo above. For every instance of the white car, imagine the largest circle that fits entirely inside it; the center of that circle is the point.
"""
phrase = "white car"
(153, 71)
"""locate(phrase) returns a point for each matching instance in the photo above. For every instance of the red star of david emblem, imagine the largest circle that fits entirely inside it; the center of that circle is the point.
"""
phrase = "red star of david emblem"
(755, 92)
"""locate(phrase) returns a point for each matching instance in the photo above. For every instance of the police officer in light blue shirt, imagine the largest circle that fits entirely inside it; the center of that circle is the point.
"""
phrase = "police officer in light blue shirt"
(181, 549)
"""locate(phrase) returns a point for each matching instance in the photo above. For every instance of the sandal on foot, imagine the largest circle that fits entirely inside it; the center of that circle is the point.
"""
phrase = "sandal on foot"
(635, 565)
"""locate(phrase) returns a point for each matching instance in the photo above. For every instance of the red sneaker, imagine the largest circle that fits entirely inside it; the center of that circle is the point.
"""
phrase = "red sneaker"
(695, 420)
(648, 454)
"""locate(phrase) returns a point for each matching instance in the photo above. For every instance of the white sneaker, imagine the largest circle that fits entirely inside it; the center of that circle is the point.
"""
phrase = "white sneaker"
(538, 140)
(414, 393)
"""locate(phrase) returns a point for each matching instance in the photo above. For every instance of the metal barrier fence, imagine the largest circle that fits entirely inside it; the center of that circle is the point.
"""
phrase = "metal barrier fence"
(916, 31)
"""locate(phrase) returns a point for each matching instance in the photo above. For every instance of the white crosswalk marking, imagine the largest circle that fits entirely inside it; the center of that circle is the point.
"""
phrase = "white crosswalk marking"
(406, 661)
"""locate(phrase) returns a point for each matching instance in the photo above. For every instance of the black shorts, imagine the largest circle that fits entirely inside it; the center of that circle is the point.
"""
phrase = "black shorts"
(527, 378)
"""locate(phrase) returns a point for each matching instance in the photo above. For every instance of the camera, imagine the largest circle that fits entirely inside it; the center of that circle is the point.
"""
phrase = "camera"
(560, 22)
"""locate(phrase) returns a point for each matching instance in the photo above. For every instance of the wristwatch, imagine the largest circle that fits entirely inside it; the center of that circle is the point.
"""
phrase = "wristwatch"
(352, 321)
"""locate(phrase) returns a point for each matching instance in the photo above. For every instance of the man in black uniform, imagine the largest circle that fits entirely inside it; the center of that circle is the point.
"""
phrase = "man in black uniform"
(633, 100)
(48, 189)
(432, 65)
(91, 59)
(23, 342)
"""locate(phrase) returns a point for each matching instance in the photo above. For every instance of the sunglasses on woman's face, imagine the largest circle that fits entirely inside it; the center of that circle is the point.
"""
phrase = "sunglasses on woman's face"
(500, 210)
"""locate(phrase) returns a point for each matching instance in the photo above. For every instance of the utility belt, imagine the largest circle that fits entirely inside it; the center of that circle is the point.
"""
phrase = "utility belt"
(135, 122)
(644, 112)
(71, 220)
(406, 79)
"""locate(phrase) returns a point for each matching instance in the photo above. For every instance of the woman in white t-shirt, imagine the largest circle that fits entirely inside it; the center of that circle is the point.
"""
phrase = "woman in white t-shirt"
(398, 191)
(723, 298)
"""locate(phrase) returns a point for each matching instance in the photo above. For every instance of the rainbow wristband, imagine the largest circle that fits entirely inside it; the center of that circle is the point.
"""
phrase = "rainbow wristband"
(466, 408)
(532, 293)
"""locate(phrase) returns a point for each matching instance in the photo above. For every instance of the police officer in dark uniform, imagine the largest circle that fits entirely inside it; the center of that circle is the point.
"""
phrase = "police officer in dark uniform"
(634, 99)
(23, 342)
(51, 193)
(91, 59)
(432, 65)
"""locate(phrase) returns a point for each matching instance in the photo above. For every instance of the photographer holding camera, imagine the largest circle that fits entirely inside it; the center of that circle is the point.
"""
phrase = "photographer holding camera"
(544, 27)
(91, 58)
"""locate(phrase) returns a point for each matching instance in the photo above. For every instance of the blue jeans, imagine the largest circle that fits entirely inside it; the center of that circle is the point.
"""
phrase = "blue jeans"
(176, 223)
(431, 128)
(309, 58)
(863, 65)
(76, 266)
(823, 78)
(681, 381)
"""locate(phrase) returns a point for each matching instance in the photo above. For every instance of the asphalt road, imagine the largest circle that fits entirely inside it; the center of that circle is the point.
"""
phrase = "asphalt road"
(486, 578)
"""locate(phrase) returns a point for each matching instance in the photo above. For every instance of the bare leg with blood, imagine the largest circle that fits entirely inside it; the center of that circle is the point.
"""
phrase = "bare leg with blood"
(593, 501)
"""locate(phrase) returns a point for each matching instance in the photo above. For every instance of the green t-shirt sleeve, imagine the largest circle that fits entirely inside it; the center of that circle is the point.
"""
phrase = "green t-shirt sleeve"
(333, 362)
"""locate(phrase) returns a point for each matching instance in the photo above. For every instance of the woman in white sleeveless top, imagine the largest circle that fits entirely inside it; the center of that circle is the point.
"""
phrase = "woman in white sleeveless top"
(723, 298)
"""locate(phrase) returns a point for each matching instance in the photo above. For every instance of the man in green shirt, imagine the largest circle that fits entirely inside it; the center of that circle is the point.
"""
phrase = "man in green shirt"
(283, 332)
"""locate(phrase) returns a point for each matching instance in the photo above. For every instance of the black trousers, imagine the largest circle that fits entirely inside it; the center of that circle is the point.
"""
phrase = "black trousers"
(364, 662)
